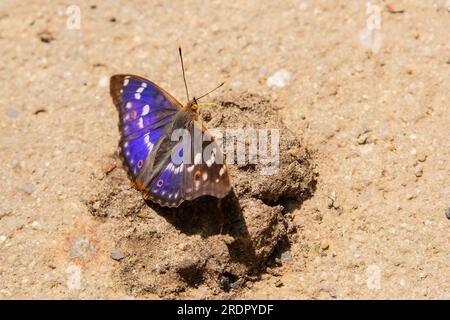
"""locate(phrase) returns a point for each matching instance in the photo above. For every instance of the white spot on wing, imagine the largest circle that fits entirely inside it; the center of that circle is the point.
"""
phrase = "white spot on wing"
(128, 106)
(205, 176)
(147, 142)
(141, 123)
(125, 82)
(191, 168)
(145, 110)
(198, 158)
(222, 171)
(137, 96)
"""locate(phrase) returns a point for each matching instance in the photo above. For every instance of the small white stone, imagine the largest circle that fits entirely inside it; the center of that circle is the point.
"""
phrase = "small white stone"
(103, 82)
(2, 238)
(235, 84)
(36, 225)
(280, 79)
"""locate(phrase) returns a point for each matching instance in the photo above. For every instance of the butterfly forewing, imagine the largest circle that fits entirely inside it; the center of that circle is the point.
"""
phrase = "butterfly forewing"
(144, 111)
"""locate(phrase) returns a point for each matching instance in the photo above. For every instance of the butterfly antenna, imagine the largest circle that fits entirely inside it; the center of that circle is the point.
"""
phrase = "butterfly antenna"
(211, 90)
(184, 75)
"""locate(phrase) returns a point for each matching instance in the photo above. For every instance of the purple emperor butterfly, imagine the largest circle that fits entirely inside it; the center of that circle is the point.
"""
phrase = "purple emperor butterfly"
(148, 115)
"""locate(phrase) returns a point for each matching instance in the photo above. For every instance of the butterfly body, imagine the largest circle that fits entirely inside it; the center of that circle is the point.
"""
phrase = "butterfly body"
(148, 117)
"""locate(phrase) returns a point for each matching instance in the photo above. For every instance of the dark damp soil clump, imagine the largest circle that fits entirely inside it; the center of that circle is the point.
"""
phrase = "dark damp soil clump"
(216, 244)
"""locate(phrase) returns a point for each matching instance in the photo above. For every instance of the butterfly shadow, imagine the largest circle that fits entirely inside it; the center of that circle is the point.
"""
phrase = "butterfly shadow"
(209, 216)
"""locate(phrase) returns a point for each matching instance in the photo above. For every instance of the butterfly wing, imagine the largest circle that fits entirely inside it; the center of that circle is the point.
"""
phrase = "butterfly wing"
(187, 181)
(145, 111)
(207, 174)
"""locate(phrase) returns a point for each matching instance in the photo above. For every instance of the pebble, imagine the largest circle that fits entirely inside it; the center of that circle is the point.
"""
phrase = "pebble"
(447, 213)
(224, 283)
(421, 157)
(96, 205)
(28, 189)
(318, 216)
(362, 139)
(324, 245)
(237, 284)
(410, 196)
(36, 225)
(330, 203)
(278, 283)
(46, 36)
(116, 255)
(286, 256)
(280, 79)
(12, 113)
(332, 293)
(103, 82)
(235, 84)
(419, 172)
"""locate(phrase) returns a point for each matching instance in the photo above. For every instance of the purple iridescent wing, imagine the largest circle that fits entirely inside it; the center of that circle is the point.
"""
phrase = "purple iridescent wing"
(145, 111)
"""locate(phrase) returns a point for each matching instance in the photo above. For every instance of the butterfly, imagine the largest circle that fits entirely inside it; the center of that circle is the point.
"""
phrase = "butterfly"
(148, 116)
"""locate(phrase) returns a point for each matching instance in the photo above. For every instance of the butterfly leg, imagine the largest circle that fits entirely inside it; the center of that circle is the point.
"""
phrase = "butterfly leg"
(222, 218)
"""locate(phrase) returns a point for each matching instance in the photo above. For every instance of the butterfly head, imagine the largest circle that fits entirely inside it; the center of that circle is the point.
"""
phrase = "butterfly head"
(193, 105)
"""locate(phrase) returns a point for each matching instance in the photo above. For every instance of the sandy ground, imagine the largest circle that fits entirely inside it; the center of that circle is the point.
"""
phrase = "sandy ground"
(375, 110)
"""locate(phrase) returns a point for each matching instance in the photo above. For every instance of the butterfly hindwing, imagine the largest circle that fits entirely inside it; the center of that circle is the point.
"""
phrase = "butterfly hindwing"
(207, 174)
